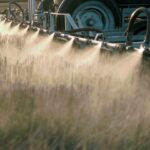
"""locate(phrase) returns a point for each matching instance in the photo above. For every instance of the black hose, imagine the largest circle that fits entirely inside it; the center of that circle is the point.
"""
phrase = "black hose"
(46, 5)
(131, 24)
(20, 8)
(83, 30)
(74, 32)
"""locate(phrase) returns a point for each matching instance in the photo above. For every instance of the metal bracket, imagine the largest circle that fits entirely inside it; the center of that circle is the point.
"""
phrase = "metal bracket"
(69, 22)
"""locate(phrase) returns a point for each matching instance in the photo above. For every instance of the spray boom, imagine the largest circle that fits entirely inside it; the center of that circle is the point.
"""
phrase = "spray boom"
(47, 25)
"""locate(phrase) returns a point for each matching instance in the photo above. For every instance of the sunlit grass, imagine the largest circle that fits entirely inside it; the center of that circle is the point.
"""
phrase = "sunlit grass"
(54, 102)
(44, 113)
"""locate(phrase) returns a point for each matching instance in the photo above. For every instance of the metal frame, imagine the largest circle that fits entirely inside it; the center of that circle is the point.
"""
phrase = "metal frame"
(69, 22)
(32, 9)
(116, 36)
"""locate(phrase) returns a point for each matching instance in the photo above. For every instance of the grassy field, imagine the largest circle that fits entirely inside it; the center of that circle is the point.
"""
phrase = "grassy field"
(53, 102)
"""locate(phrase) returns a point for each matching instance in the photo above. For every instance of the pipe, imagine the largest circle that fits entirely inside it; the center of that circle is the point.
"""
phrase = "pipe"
(77, 42)
(130, 29)
(32, 9)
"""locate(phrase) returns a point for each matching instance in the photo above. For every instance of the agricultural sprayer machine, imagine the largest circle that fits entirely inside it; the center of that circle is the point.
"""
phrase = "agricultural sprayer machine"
(89, 23)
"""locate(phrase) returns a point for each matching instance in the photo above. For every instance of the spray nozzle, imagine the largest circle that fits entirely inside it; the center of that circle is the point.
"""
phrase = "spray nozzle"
(146, 53)
(33, 28)
(61, 37)
(43, 32)
(113, 47)
(23, 25)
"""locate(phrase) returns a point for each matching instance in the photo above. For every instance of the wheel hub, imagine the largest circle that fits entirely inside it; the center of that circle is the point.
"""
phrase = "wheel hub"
(90, 22)
(91, 18)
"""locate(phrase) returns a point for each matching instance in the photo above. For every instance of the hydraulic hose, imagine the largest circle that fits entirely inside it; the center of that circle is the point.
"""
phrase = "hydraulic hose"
(131, 24)
(83, 30)
(20, 8)
(74, 32)
(46, 5)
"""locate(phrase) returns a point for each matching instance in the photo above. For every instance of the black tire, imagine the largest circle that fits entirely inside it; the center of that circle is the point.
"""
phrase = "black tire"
(105, 7)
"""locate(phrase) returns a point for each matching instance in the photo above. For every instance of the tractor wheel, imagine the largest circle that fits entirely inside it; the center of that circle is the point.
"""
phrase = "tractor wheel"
(91, 13)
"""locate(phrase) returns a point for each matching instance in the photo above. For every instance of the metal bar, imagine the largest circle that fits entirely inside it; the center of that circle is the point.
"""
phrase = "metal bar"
(32, 9)
(70, 21)
(52, 23)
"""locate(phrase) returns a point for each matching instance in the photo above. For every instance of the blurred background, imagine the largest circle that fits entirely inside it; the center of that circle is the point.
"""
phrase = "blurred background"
(23, 3)
(4, 4)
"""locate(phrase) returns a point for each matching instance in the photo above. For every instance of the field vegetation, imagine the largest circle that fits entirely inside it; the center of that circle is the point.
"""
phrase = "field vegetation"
(74, 101)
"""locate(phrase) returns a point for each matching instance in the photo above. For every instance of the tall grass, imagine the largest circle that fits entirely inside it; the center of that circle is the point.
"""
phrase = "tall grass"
(67, 103)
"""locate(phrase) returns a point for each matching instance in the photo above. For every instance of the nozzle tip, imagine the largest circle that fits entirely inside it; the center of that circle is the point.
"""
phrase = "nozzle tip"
(146, 53)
